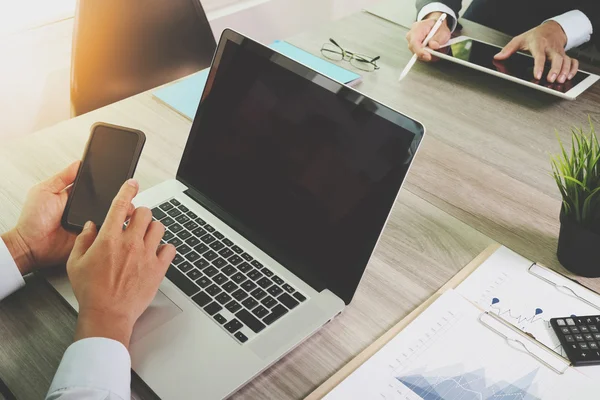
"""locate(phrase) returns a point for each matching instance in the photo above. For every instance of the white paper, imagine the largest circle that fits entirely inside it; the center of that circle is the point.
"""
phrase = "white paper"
(446, 353)
(503, 285)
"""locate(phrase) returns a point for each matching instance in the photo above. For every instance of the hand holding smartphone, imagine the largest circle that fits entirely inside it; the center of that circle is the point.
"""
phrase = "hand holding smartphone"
(110, 158)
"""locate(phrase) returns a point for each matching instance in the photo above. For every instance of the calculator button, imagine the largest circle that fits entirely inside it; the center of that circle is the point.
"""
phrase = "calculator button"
(565, 330)
(597, 336)
(584, 329)
(570, 321)
(560, 322)
(588, 337)
(584, 346)
(593, 328)
(579, 338)
(574, 329)
(569, 338)
(593, 345)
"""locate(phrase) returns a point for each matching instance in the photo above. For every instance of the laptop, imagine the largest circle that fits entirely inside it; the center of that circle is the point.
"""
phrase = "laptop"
(283, 190)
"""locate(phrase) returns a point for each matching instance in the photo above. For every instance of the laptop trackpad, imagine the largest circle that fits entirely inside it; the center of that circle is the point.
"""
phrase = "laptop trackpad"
(161, 310)
(303, 320)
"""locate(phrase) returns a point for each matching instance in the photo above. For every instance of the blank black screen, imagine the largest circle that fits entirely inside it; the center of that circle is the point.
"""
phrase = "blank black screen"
(106, 166)
(518, 65)
(307, 174)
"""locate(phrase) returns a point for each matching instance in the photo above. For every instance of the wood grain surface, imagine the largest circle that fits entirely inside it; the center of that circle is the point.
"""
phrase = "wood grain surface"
(482, 175)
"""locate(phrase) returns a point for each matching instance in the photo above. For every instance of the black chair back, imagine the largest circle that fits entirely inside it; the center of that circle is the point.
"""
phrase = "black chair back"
(125, 47)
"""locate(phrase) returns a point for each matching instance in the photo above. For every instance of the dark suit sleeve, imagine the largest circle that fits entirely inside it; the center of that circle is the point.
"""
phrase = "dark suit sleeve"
(591, 8)
(455, 5)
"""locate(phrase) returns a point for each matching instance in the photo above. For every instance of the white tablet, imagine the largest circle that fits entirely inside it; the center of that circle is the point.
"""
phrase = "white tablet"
(518, 68)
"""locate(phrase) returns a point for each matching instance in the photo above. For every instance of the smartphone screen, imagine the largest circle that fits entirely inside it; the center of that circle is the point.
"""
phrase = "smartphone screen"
(518, 65)
(110, 159)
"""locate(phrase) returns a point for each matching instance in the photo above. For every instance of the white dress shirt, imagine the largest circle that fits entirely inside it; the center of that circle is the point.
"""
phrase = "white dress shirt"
(576, 25)
(94, 368)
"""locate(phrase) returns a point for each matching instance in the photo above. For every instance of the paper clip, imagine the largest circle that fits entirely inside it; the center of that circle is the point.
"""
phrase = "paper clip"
(519, 342)
(559, 286)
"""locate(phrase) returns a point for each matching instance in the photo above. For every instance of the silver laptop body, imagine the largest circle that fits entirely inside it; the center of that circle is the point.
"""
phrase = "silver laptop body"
(187, 345)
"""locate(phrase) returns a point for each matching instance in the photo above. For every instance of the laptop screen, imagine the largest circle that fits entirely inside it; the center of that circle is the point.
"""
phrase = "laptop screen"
(303, 167)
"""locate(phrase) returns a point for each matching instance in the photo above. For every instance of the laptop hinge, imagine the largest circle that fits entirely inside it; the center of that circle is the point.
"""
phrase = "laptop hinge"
(263, 244)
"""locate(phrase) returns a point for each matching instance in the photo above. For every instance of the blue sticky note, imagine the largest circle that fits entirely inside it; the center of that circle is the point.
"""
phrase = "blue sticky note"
(324, 67)
(184, 96)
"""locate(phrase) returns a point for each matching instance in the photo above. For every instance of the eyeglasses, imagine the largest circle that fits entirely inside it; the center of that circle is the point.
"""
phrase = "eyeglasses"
(335, 52)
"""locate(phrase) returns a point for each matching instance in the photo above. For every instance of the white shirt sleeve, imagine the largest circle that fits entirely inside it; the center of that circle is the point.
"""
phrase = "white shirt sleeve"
(577, 27)
(95, 369)
(439, 7)
(10, 276)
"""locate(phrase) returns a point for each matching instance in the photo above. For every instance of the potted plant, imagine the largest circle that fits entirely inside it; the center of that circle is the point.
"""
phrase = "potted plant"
(577, 174)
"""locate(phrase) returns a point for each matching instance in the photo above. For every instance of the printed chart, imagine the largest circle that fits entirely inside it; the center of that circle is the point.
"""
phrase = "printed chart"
(447, 354)
(503, 285)
(474, 385)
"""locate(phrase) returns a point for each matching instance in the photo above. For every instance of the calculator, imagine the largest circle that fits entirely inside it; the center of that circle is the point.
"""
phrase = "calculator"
(580, 337)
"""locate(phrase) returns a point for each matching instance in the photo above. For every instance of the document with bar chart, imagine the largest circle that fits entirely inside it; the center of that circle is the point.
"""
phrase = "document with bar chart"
(527, 296)
(446, 353)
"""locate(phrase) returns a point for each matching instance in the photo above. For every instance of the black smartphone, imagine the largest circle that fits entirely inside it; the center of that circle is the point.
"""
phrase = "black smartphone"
(110, 158)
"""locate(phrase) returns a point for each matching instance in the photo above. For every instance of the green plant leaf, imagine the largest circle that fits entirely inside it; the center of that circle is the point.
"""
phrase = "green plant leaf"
(577, 174)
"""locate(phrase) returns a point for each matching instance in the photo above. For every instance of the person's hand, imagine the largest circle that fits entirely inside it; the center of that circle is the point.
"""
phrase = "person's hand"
(115, 273)
(419, 32)
(38, 240)
(545, 41)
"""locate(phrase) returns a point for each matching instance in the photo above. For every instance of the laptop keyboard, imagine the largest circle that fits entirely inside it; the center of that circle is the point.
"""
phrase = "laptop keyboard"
(226, 282)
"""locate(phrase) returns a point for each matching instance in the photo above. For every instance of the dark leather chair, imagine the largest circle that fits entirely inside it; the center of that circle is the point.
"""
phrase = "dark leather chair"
(124, 47)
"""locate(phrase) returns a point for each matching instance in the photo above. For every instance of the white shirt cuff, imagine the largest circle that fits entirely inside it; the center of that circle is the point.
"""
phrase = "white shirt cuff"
(577, 27)
(10, 276)
(94, 363)
(439, 7)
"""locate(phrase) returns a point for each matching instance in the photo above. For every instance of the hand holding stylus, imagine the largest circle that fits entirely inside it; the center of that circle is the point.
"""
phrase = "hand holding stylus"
(436, 26)
(421, 29)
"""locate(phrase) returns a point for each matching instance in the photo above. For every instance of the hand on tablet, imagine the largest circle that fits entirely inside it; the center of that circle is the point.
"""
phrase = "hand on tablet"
(545, 42)
(419, 31)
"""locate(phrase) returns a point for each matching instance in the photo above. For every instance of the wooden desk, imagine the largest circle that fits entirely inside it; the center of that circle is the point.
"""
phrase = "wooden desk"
(482, 175)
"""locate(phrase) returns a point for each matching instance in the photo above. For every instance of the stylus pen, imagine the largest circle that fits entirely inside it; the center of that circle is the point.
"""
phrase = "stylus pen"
(413, 60)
